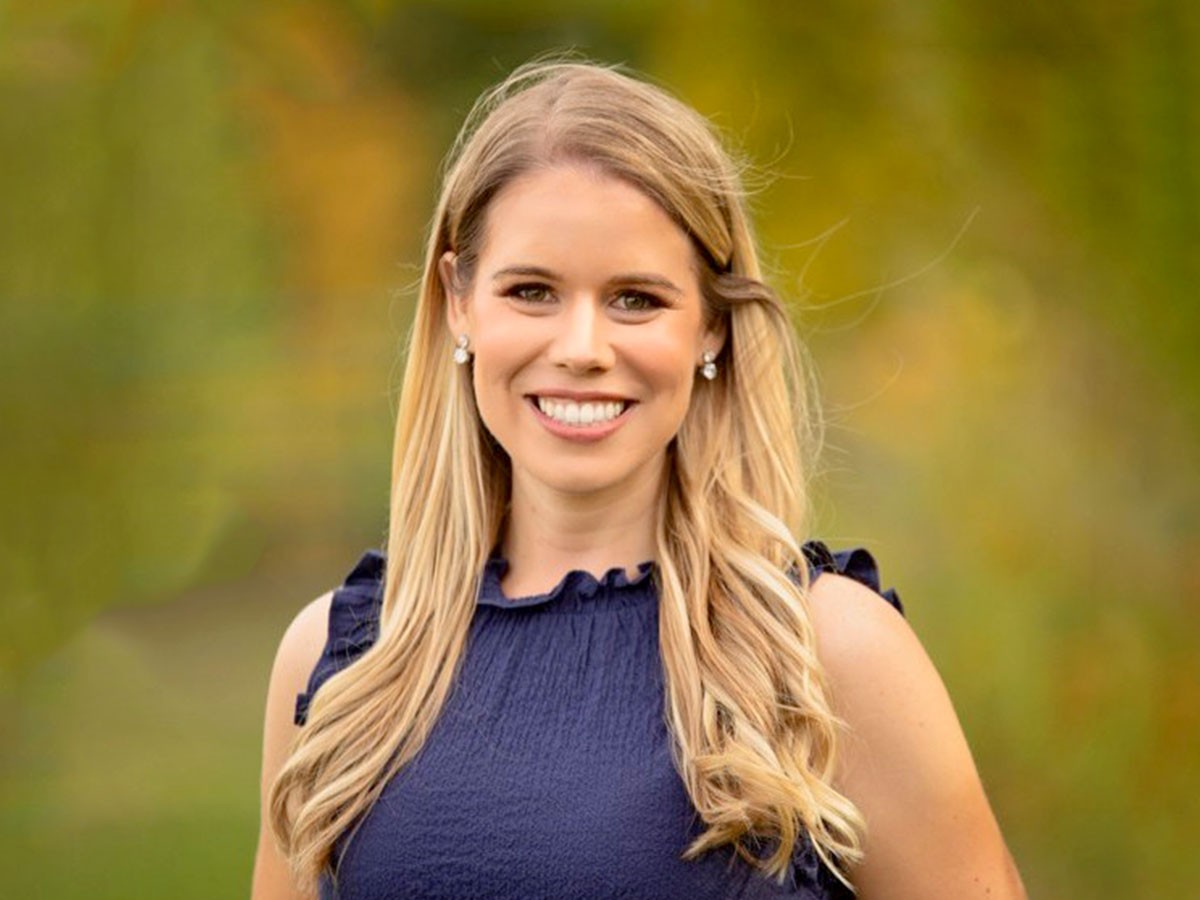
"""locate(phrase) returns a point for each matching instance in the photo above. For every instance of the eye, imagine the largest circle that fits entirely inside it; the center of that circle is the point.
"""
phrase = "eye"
(637, 301)
(528, 293)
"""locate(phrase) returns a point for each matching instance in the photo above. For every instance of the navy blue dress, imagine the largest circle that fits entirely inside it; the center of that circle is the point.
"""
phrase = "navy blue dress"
(548, 773)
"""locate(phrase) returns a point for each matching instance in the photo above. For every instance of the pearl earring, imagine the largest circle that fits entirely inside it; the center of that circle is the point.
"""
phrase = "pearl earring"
(461, 354)
(709, 369)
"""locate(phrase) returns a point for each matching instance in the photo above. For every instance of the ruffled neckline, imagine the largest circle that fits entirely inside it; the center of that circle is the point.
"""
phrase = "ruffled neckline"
(354, 609)
(577, 585)
(365, 582)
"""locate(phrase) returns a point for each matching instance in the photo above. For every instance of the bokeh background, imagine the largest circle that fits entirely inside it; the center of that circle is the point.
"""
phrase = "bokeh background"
(985, 214)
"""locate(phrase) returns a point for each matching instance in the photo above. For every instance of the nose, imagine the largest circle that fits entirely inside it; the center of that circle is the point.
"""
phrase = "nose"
(581, 341)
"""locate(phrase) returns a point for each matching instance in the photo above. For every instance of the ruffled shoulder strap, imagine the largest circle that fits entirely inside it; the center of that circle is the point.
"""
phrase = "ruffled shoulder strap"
(856, 563)
(353, 625)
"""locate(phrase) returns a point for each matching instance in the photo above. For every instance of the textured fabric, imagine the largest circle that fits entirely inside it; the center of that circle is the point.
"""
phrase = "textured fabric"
(548, 773)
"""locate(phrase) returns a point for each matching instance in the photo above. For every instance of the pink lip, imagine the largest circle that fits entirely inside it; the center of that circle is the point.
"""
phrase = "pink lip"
(579, 434)
(580, 396)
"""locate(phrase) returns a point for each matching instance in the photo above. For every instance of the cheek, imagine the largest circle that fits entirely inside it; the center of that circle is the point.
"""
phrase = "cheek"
(503, 345)
(666, 360)
(502, 352)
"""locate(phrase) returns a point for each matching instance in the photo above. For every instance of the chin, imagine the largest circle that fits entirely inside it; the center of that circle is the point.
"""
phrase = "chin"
(581, 483)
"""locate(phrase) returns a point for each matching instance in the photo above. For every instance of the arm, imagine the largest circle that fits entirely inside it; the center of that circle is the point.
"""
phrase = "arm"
(905, 762)
(298, 653)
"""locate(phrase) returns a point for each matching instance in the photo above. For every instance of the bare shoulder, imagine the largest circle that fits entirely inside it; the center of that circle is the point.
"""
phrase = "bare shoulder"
(870, 653)
(845, 613)
(299, 650)
(904, 760)
(304, 639)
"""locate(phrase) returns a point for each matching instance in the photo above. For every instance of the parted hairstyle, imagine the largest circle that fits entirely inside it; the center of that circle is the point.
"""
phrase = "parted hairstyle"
(753, 733)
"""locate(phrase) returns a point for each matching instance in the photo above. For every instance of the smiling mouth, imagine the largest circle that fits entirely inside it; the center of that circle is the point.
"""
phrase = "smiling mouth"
(579, 414)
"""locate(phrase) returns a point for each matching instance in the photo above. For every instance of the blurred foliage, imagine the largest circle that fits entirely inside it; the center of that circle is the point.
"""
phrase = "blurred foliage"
(986, 213)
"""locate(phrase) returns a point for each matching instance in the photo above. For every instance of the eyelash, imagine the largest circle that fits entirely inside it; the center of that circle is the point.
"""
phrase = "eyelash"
(652, 302)
(517, 292)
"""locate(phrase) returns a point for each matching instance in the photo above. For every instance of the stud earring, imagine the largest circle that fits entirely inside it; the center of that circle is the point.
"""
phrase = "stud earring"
(709, 369)
(461, 354)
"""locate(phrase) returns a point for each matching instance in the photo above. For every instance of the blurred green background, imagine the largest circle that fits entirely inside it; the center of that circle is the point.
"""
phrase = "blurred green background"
(987, 215)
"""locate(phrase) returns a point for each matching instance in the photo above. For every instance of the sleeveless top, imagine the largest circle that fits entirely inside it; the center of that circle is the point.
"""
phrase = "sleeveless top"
(548, 773)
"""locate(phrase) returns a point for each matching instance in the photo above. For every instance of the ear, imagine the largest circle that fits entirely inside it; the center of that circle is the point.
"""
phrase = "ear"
(457, 312)
(714, 336)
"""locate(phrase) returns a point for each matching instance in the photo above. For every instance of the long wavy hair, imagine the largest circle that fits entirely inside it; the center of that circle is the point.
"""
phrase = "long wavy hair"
(753, 732)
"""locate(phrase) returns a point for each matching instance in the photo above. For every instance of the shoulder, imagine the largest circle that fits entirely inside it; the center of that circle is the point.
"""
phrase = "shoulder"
(904, 760)
(881, 681)
(861, 638)
(303, 642)
(299, 649)
(885, 687)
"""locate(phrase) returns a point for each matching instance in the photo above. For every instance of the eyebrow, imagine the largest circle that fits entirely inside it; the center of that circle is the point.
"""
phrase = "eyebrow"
(634, 278)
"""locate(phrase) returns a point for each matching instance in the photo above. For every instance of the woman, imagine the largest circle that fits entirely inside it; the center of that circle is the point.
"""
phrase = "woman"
(597, 662)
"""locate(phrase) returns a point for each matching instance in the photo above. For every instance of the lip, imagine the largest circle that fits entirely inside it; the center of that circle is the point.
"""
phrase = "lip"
(580, 434)
(580, 396)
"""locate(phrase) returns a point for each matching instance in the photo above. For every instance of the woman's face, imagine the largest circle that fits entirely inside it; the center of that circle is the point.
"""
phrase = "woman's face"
(586, 323)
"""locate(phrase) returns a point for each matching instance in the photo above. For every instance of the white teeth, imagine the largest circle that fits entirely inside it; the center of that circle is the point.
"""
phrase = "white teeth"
(580, 414)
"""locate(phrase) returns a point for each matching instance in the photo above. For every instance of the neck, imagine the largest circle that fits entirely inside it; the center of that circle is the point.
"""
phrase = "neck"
(549, 533)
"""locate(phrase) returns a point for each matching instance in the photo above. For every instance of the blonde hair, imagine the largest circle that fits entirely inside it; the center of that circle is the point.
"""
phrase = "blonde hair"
(754, 735)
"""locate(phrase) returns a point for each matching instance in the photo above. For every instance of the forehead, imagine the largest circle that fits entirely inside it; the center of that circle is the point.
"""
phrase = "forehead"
(582, 218)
